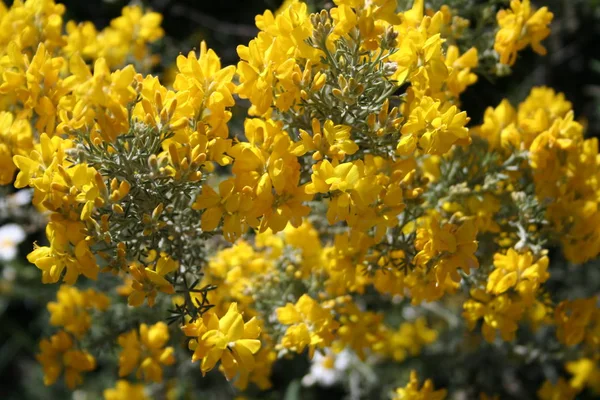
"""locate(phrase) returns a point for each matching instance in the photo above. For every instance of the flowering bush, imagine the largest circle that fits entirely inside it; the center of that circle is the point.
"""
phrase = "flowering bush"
(359, 220)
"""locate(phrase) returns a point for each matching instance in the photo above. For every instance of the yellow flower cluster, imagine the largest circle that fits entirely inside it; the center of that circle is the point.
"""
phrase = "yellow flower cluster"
(586, 374)
(145, 352)
(564, 164)
(69, 97)
(265, 191)
(267, 70)
(71, 310)
(443, 250)
(356, 188)
(148, 281)
(45, 79)
(227, 339)
(578, 321)
(43, 73)
(311, 325)
(15, 139)
(125, 391)
(322, 322)
(512, 288)
(521, 26)
(414, 391)
(409, 339)
(70, 192)
(519, 272)
(60, 353)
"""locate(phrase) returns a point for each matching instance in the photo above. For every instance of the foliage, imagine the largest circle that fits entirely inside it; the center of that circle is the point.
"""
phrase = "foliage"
(357, 220)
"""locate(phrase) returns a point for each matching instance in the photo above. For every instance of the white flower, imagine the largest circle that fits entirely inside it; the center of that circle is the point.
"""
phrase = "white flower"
(10, 236)
(328, 369)
(21, 198)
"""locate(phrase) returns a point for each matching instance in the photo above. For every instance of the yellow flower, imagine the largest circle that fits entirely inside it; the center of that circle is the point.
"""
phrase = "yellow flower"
(586, 372)
(305, 238)
(483, 207)
(561, 160)
(48, 154)
(147, 281)
(574, 319)
(424, 285)
(499, 313)
(561, 390)
(342, 262)
(15, 139)
(332, 141)
(413, 391)
(72, 306)
(326, 177)
(82, 39)
(227, 339)
(69, 252)
(495, 121)
(256, 81)
(145, 352)
(448, 246)
(539, 110)
(370, 18)
(123, 390)
(361, 331)
(58, 356)
(209, 89)
(34, 86)
(564, 135)
(29, 23)
(311, 325)
(433, 128)
(129, 35)
(518, 271)
(230, 205)
(234, 270)
(267, 170)
(519, 28)
(261, 374)
(460, 69)
(409, 339)
(352, 189)
(419, 56)
(268, 70)
(388, 279)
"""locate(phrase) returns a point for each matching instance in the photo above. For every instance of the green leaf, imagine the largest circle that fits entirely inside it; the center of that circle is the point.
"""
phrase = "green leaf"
(293, 391)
